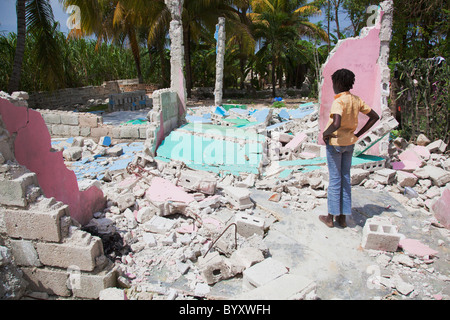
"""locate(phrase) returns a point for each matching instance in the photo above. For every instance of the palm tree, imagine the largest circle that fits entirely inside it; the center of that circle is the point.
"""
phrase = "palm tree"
(114, 20)
(14, 81)
(36, 17)
(277, 23)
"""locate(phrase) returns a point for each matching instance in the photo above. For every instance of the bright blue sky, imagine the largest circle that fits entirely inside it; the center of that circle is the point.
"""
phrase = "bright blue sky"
(8, 22)
(8, 19)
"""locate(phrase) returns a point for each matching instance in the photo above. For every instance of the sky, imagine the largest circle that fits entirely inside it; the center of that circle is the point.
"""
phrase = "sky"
(8, 19)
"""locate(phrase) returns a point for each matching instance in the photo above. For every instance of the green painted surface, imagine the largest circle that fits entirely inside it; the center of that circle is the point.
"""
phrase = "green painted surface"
(204, 147)
(231, 106)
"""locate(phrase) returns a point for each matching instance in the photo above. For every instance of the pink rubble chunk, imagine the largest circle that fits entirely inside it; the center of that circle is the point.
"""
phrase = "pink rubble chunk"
(417, 248)
(296, 141)
(440, 208)
(162, 190)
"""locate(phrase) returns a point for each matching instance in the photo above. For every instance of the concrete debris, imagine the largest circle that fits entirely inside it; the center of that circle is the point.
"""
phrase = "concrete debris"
(176, 226)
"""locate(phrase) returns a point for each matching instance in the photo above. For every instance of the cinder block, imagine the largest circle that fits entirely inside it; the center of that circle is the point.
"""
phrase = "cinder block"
(85, 131)
(35, 225)
(87, 120)
(313, 148)
(71, 253)
(100, 132)
(61, 130)
(70, 118)
(90, 284)
(143, 132)
(198, 181)
(214, 268)
(74, 131)
(262, 273)
(239, 197)
(248, 225)
(129, 132)
(51, 281)
(380, 235)
(51, 117)
(13, 192)
(24, 253)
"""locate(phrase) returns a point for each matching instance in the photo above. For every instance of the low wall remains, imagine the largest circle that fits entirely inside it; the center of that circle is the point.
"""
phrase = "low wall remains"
(82, 96)
(88, 125)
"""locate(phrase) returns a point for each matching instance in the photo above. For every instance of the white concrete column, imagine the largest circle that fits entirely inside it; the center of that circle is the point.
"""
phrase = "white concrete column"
(220, 57)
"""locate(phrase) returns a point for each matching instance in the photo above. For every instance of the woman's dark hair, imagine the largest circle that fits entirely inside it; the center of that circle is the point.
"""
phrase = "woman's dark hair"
(344, 79)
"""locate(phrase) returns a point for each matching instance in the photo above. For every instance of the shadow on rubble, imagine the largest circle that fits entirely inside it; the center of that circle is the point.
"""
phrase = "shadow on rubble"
(369, 203)
(113, 243)
(361, 214)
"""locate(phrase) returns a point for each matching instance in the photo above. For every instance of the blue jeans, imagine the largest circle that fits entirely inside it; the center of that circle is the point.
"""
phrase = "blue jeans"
(339, 160)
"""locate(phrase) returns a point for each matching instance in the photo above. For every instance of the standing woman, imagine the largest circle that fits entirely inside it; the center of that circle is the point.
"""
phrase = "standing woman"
(340, 139)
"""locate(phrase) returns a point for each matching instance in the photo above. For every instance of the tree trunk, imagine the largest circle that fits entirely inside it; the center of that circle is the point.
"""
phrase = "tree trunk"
(274, 81)
(136, 54)
(336, 16)
(328, 26)
(187, 59)
(14, 82)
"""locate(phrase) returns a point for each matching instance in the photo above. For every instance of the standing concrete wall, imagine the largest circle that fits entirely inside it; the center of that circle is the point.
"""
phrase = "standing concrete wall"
(367, 56)
(177, 79)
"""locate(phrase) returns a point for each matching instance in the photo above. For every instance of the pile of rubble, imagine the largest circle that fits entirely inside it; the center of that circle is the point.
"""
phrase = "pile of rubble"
(420, 170)
(168, 219)
(166, 223)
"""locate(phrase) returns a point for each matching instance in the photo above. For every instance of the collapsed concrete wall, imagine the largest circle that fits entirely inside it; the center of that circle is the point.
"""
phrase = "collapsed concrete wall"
(32, 148)
(46, 250)
(367, 56)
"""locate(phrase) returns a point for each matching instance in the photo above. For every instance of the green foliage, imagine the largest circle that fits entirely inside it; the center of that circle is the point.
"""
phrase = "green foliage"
(424, 98)
(278, 105)
(83, 64)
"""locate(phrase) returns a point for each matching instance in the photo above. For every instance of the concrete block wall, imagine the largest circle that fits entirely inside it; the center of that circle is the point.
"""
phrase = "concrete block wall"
(164, 118)
(54, 254)
(84, 124)
(72, 96)
(134, 100)
(82, 95)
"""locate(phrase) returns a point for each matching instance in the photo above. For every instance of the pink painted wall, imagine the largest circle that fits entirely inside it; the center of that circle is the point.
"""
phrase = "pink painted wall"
(359, 56)
(32, 150)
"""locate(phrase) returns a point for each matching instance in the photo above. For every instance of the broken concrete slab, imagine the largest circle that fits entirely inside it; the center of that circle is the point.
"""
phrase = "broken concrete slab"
(441, 206)
(437, 146)
(438, 176)
(285, 287)
(416, 248)
(262, 273)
